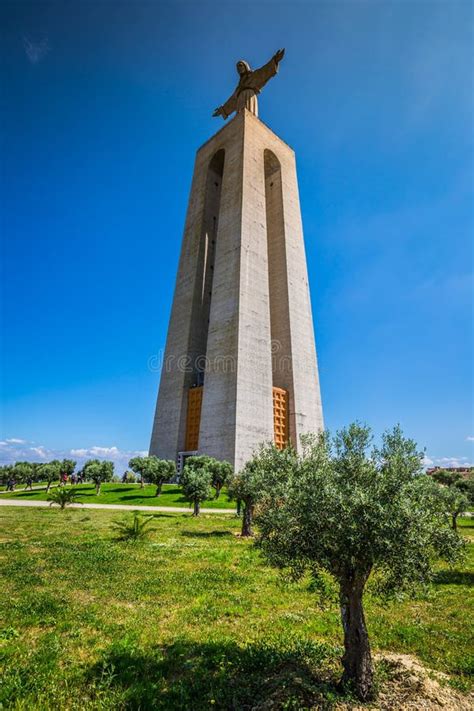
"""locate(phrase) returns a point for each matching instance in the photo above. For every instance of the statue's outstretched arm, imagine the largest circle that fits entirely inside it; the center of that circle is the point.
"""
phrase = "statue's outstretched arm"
(226, 109)
(262, 75)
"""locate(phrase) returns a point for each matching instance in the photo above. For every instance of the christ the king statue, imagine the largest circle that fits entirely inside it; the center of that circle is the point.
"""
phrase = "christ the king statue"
(250, 84)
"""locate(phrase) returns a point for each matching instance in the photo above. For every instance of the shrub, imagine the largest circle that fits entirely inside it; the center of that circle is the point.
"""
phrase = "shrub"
(133, 529)
(197, 486)
(153, 470)
(99, 472)
(221, 471)
(63, 496)
(261, 474)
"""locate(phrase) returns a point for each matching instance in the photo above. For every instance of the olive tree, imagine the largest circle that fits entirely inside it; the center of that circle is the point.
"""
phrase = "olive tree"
(458, 503)
(466, 486)
(36, 471)
(138, 465)
(66, 467)
(459, 495)
(99, 472)
(160, 471)
(354, 510)
(197, 486)
(49, 472)
(263, 475)
(153, 470)
(5, 474)
(23, 472)
(221, 471)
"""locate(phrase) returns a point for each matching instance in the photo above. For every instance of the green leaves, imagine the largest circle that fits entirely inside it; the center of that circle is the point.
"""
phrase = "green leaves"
(22, 471)
(459, 492)
(63, 496)
(136, 528)
(349, 510)
(265, 476)
(153, 470)
(50, 471)
(197, 484)
(221, 471)
(346, 507)
(67, 466)
(98, 471)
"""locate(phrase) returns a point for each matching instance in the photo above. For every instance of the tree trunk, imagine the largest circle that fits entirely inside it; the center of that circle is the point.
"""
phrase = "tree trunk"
(48, 486)
(218, 491)
(196, 508)
(142, 483)
(158, 489)
(247, 521)
(357, 660)
(454, 521)
(97, 489)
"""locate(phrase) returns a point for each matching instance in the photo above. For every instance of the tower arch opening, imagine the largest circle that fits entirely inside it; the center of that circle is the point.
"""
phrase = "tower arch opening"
(282, 375)
(197, 347)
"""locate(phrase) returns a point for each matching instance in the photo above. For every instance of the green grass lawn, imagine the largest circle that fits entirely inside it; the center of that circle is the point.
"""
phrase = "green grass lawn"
(190, 619)
(130, 494)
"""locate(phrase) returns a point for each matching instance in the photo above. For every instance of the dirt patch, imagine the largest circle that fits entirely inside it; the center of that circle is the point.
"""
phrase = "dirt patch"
(410, 686)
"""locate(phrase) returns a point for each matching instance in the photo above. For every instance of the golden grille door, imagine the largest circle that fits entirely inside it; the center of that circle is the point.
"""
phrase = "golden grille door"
(193, 419)
(280, 417)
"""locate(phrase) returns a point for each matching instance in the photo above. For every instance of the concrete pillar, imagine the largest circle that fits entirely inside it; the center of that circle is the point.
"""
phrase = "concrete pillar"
(241, 310)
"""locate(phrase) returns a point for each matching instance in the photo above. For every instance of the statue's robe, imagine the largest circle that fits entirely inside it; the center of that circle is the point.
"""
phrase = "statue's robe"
(250, 84)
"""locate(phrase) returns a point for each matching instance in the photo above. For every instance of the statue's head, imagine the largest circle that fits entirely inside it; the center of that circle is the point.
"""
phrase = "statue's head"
(243, 67)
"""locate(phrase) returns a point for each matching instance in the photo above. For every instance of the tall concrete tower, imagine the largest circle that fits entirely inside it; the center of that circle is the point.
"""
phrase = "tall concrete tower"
(240, 361)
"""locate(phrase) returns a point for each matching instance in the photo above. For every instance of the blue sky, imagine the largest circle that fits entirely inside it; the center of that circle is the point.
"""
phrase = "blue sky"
(103, 107)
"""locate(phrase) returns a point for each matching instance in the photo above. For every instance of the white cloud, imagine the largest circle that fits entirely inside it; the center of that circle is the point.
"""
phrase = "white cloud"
(454, 461)
(120, 457)
(110, 452)
(78, 452)
(16, 450)
(106, 451)
(40, 452)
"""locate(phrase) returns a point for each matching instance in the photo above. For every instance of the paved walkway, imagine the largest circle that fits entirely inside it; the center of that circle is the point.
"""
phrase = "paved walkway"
(118, 507)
